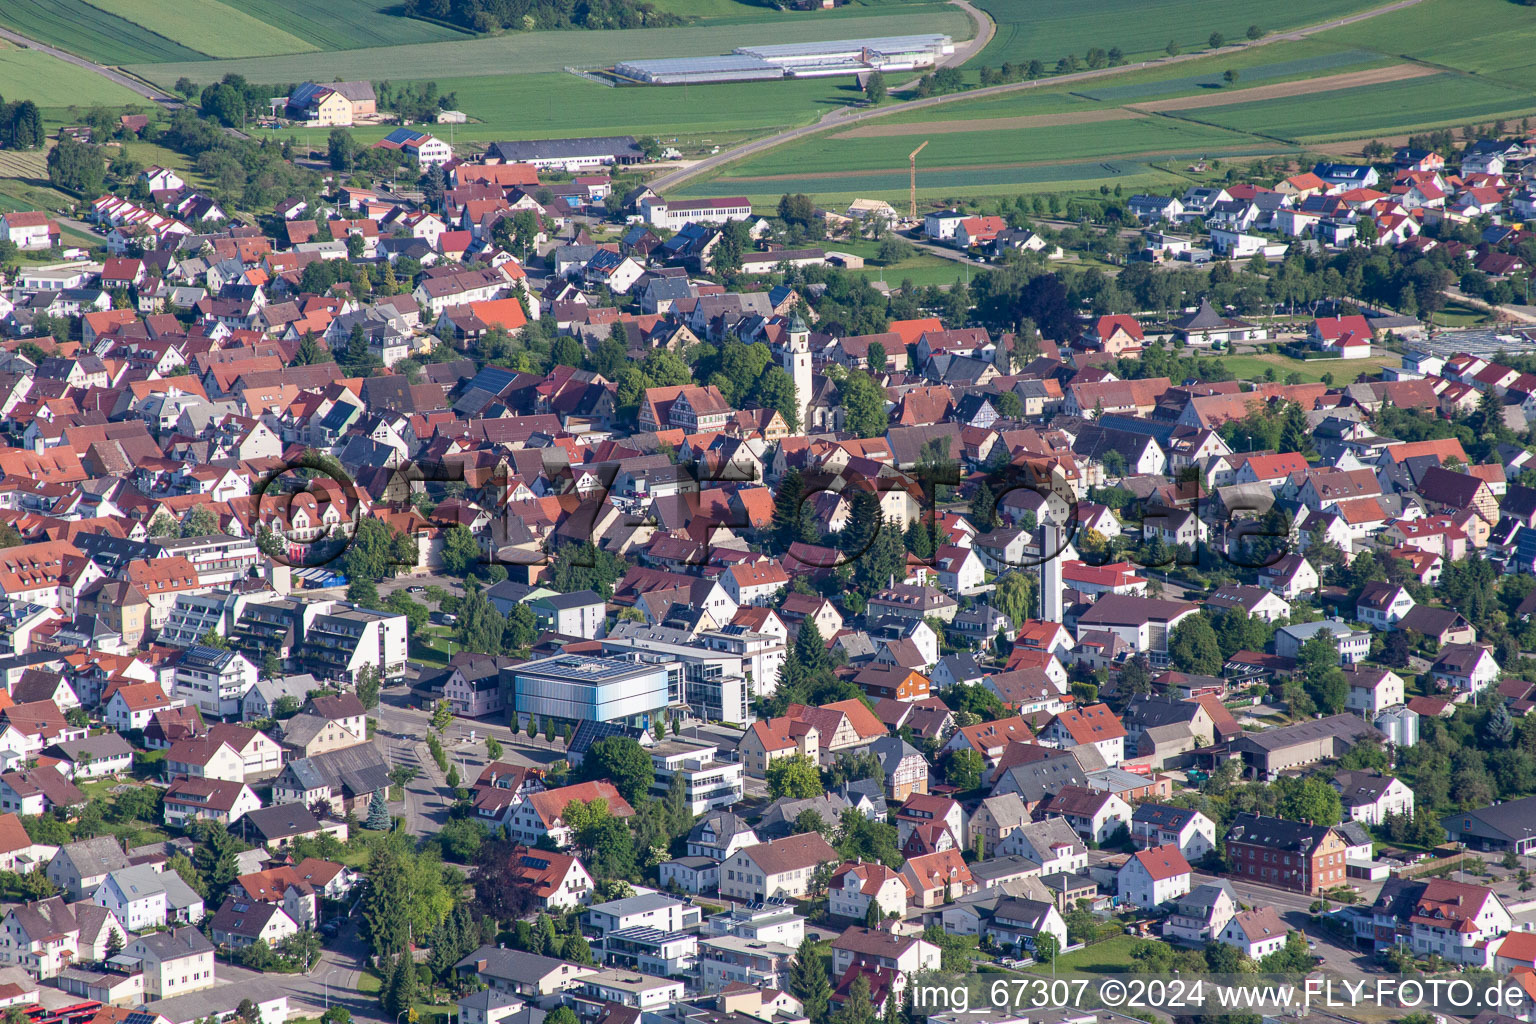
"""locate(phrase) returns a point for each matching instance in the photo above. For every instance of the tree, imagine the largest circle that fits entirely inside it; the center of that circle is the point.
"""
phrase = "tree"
(963, 768)
(874, 87)
(622, 762)
(797, 209)
(1308, 799)
(341, 149)
(808, 981)
(1172, 49)
(885, 559)
(378, 813)
(76, 167)
(522, 627)
(863, 406)
(793, 776)
(858, 1007)
(1193, 647)
(213, 638)
(200, 522)
(1295, 434)
(309, 351)
(1016, 595)
(368, 686)
(400, 996)
(442, 716)
(1217, 40)
(791, 517)
(984, 504)
(363, 592)
(877, 355)
(1229, 76)
(214, 858)
(1045, 947)
(461, 552)
(1254, 32)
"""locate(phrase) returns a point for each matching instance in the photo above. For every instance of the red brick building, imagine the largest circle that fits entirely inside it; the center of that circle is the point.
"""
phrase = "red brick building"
(1285, 854)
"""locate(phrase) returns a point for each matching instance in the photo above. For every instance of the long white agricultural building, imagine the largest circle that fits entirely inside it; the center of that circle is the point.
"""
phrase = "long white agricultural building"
(794, 60)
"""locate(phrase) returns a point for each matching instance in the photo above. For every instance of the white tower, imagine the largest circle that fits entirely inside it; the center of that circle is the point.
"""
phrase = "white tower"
(1050, 570)
(795, 357)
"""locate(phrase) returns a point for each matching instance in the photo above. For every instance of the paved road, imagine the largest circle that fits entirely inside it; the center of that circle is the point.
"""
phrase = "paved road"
(985, 29)
(843, 116)
(946, 252)
(133, 84)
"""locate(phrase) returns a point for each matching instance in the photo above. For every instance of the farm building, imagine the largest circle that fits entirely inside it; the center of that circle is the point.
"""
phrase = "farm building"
(567, 154)
(793, 60)
(730, 67)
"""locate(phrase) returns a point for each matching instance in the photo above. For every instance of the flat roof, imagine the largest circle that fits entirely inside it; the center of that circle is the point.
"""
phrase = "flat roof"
(699, 65)
(578, 668)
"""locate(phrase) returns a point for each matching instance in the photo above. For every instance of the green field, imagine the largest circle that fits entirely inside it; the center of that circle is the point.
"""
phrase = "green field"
(76, 26)
(347, 24)
(553, 103)
(1488, 48)
(1369, 110)
(1266, 64)
(531, 52)
(208, 26)
(959, 151)
(1492, 38)
(1049, 29)
(51, 82)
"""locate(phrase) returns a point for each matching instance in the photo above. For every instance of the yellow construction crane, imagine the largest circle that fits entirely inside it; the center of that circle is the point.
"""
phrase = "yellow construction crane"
(912, 167)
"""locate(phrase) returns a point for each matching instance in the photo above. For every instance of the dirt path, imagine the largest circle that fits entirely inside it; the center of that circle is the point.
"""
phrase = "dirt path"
(1281, 90)
(988, 124)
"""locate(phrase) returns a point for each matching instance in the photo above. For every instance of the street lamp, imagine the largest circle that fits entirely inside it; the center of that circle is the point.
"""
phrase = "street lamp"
(325, 981)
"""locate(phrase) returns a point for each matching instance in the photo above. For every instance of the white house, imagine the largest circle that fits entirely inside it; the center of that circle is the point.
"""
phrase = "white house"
(1383, 605)
(1373, 689)
(856, 884)
(29, 229)
(1153, 877)
(1092, 726)
(754, 585)
(1370, 796)
(1256, 933)
(1192, 833)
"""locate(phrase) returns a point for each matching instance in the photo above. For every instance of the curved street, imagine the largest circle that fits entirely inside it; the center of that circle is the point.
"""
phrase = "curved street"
(852, 115)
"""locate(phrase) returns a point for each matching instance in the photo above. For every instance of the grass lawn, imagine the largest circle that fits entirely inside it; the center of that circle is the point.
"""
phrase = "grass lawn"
(531, 52)
(1112, 956)
(434, 646)
(209, 26)
(1250, 367)
(51, 82)
(1459, 314)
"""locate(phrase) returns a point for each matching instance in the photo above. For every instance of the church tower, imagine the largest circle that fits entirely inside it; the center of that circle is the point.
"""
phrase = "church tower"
(795, 357)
